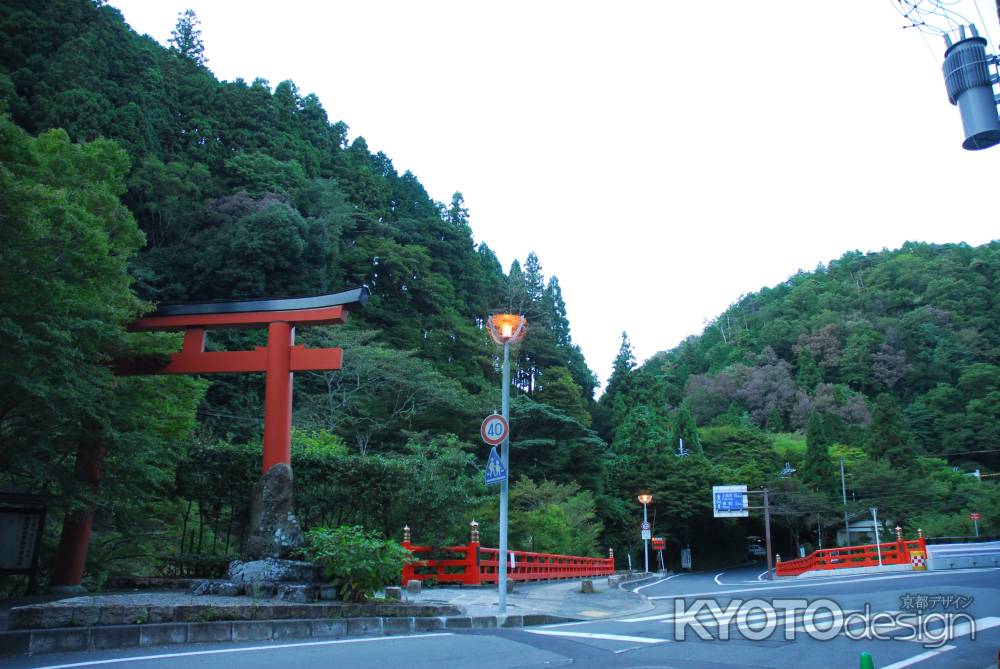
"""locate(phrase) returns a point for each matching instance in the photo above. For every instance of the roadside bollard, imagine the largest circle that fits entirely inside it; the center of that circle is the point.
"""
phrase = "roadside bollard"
(866, 661)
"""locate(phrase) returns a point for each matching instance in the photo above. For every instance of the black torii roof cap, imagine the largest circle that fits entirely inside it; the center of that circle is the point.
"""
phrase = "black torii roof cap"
(347, 298)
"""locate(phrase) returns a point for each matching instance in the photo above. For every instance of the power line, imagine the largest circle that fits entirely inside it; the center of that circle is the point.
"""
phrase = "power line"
(992, 450)
(983, 21)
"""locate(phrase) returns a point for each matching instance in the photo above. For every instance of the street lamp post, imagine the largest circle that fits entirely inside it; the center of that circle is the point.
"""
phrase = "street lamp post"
(645, 499)
(505, 329)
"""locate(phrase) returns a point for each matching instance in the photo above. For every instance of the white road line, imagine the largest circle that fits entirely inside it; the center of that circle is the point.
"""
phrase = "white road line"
(763, 574)
(656, 582)
(815, 583)
(141, 658)
(919, 658)
(718, 582)
(964, 628)
(627, 650)
(592, 635)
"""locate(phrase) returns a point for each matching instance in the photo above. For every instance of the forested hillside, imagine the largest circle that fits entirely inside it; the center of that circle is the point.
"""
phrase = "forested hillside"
(130, 176)
(887, 360)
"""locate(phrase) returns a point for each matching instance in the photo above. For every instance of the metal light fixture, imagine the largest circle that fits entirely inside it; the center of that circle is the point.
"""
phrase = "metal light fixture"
(507, 328)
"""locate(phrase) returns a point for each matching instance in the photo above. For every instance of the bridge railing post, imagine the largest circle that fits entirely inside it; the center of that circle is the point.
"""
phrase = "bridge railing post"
(408, 572)
(472, 575)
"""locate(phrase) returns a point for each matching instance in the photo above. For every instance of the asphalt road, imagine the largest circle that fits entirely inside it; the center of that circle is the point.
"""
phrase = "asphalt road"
(769, 624)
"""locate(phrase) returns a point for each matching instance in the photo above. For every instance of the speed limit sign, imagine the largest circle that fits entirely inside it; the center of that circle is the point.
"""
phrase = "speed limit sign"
(494, 429)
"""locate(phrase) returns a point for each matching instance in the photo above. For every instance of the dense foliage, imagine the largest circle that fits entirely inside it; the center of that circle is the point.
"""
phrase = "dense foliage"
(129, 176)
(162, 183)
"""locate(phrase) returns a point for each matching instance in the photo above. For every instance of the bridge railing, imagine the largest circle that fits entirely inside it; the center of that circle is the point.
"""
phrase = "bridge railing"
(846, 557)
(472, 564)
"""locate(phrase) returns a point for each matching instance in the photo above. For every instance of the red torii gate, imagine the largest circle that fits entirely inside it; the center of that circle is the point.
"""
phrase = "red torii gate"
(279, 360)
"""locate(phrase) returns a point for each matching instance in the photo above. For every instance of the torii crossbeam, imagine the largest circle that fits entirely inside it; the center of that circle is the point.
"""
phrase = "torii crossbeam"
(278, 360)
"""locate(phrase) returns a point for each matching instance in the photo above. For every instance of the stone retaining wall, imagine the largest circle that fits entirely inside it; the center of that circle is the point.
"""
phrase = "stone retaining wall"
(37, 641)
(55, 614)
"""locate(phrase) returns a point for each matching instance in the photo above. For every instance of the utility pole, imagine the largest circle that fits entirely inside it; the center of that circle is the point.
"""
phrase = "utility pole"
(843, 491)
(878, 546)
(767, 532)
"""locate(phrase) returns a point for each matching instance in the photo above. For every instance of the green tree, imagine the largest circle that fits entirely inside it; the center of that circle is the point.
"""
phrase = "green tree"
(818, 470)
(809, 375)
(547, 517)
(621, 368)
(185, 38)
(685, 430)
(65, 302)
(889, 436)
(560, 391)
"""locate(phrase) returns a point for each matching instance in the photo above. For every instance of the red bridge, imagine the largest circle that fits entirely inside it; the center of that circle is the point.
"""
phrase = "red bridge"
(472, 564)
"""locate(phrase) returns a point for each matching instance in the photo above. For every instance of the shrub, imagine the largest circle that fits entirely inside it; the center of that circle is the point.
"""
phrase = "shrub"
(355, 561)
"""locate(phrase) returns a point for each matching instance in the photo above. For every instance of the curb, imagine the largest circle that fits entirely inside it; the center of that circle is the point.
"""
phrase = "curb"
(849, 571)
(646, 604)
(104, 637)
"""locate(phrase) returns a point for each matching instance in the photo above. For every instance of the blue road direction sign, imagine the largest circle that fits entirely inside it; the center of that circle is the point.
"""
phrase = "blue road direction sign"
(730, 501)
(495, 472)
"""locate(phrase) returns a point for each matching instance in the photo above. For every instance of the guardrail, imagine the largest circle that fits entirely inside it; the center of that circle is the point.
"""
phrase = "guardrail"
(983, 538)
(847, 557)
(472, 564)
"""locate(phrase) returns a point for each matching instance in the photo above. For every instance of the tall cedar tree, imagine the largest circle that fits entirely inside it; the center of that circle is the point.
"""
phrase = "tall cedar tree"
(185, 38)
(818, 471)
(889, 437)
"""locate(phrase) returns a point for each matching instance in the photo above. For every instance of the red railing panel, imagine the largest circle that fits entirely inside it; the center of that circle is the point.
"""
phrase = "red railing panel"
(480, 565)
(894, 552)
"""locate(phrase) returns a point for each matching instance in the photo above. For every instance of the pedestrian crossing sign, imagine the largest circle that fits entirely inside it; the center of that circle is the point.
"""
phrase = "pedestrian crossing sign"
(495, 472)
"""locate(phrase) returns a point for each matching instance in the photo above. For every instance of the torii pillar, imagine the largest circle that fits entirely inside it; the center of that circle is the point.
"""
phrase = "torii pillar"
(274, 530)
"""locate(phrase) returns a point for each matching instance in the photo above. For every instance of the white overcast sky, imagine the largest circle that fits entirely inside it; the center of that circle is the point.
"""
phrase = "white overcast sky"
(661, 158)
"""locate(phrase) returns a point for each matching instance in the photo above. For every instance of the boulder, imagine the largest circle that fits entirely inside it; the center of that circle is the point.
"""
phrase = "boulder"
(272, 570)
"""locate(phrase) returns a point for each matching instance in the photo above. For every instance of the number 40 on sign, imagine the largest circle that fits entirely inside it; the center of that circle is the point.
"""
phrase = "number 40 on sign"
(494, 429)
